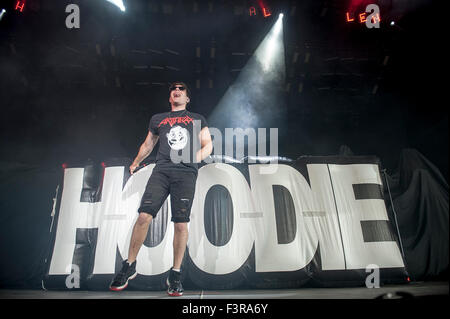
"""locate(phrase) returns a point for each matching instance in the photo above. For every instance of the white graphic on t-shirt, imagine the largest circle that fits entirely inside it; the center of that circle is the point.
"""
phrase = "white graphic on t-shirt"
(177, 137)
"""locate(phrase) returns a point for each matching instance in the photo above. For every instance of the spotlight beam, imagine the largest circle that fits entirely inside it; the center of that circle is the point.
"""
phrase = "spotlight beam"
(118, 3)
(2, 13)
(255, 98)
(270, 45)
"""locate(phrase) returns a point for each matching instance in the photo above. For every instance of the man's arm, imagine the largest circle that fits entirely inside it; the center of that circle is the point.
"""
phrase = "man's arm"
(206, 144)
(145, 150)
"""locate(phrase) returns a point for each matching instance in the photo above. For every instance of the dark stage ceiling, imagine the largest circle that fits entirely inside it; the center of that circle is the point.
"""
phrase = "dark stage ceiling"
(89, 92)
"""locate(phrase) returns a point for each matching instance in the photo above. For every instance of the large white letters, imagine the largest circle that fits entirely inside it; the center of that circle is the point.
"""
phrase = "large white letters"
(328, 217)
(231, 256)
(358, 253)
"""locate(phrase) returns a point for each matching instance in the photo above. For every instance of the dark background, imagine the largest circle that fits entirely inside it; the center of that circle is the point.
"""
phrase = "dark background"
(69, 95)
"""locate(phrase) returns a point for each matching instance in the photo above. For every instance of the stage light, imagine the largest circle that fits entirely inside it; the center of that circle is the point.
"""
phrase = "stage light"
(392, 23)
(2, 13)
(118, 3)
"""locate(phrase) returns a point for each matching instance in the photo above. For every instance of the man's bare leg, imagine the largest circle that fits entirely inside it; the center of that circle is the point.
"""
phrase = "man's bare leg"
(138, 236)
(180, 239)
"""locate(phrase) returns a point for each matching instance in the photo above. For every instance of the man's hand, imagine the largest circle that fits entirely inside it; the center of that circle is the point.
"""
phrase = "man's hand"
(144, 151)
(133, 167)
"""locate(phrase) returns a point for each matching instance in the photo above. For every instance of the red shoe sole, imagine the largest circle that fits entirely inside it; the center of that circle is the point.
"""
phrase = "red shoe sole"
(118, 289)
(126, 284)
(174, 294)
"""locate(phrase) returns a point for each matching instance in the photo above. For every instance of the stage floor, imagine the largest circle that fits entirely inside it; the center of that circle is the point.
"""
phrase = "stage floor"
(414, 289)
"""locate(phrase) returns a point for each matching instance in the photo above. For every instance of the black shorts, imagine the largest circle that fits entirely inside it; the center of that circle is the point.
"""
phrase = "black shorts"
(181, 187)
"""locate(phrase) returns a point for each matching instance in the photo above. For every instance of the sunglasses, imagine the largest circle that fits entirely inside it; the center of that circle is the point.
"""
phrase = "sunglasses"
(181, 88)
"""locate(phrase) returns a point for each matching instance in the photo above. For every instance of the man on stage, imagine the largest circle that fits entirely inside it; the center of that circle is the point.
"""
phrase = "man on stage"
(176, 132)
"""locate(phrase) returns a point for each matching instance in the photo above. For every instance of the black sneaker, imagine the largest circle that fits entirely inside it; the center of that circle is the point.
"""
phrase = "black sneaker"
(128, 272)
(175, 288)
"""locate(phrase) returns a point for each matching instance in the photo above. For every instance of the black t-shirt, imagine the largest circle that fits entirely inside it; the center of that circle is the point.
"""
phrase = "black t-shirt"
(178, 139)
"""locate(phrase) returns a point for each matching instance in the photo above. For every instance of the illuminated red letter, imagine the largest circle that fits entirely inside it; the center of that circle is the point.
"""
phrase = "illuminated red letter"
(266, 12)
(20, 6)
(376, 18)
(252, 11)
(362, 17)
(348, 18)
